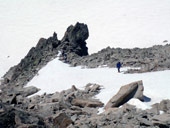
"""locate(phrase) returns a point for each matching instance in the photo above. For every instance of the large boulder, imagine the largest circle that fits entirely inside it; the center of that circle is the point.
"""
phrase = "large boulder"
(16, 95)
(61, 120)
(132, 90)
(162, 120)
(26, 91)
(164, 106)
(11, 118)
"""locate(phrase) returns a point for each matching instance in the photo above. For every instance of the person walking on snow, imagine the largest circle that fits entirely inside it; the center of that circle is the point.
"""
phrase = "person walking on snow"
(118, 65)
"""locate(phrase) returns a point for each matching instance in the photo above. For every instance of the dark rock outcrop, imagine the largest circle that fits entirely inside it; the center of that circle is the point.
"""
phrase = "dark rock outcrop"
(75, 37)
(132, 90)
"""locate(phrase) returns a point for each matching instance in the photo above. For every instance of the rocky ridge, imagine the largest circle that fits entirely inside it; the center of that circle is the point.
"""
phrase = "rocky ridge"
(155, 58)
(72, 45)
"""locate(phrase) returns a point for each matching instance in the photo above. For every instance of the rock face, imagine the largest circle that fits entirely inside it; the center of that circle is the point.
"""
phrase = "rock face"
(73, 45)
(132, 90)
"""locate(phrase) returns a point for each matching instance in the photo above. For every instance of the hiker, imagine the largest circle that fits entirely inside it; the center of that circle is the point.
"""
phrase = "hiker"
(64, 57)
(118, 65)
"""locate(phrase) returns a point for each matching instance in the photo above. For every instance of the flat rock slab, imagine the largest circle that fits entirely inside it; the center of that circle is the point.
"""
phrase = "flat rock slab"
(87, 103)
(132, 90)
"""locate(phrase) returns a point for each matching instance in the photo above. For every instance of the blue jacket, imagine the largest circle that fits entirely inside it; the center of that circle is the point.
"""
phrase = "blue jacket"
(118, 65)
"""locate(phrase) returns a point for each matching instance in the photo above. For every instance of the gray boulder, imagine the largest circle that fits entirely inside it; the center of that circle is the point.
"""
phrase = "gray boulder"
(165, 106)
(59, 120)
(132, 90)
(162, 120)
(11, 118)
(86, 103)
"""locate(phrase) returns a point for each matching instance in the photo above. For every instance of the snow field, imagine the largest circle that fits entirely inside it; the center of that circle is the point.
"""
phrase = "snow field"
(58, 76)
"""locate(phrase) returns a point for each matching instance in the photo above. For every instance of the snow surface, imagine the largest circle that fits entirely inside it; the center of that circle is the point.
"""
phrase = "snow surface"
(115, 23)
(58, 76)
(138, 104)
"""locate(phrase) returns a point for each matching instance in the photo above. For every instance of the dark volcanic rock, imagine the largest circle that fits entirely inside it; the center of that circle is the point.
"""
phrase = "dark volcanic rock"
(75, 37)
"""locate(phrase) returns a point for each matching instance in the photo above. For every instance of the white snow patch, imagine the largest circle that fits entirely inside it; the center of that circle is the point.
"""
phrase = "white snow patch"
(139, 104)
(161, 112)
